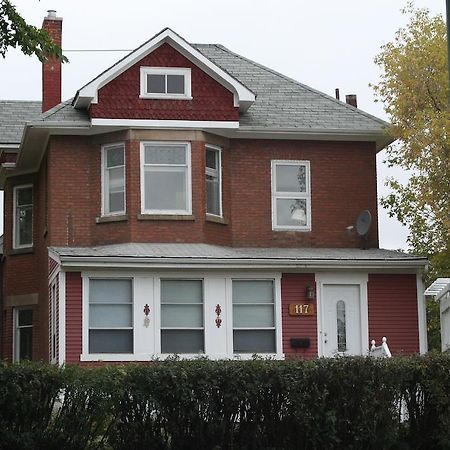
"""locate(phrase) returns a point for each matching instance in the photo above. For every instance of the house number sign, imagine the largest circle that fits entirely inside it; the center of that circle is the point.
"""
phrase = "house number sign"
(299, 309)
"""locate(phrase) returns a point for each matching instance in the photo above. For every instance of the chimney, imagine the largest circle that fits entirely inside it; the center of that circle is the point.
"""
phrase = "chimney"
(351, 100)
(51, 69)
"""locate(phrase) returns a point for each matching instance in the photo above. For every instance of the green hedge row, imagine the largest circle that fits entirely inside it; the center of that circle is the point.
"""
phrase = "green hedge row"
(358, 403)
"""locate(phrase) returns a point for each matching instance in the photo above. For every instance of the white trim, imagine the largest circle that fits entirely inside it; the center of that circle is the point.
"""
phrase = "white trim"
(62, 318)
(421, 315)
(10, 147)
(291, 195)
(185, 72)
(104, 150)
(166, 124)
(243, 97)
(187, 165)
(217, 149)
(343, 279)
(52, 307)
(14, 225)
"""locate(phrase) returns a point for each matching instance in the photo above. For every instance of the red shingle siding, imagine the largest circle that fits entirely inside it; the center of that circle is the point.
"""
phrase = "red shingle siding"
(392, 301)
(293, 290)
(119, 99)
(73, 317)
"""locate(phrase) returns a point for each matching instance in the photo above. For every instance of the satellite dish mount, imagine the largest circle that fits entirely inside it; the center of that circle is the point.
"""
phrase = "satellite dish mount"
(363, 223)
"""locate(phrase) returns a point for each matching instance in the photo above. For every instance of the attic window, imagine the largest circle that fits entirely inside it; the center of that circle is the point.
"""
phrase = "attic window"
(166, 83)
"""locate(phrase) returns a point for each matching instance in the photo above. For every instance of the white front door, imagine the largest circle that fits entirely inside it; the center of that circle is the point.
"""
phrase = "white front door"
(341, 320)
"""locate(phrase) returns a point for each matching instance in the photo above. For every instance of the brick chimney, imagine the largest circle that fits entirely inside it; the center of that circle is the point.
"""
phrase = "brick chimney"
(351, 100)
(51, 69)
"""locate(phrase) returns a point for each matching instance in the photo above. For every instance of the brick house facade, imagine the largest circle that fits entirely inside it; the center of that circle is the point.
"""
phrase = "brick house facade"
(190, 201)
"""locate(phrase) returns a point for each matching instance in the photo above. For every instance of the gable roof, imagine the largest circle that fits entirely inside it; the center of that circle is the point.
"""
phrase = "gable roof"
(243, 97)
(14, 115)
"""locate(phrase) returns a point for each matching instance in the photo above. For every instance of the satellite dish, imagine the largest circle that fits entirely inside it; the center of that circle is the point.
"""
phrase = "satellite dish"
(363, 223)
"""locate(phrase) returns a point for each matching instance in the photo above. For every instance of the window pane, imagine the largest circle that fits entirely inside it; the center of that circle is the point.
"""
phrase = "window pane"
(181, 291)
(115, 156)
(24, 196)
(117, 202)
(254, 341)
(186, 316)
(212, 196)
(341, 326)
(110, 341)
(24, 217)
(165, 154)
(25, 317)
(291, 212)
(156, 84)
(116, 179)
(252, 291)
(253, 316)
(290, 178)
(212, 159)
(25, 343)
(175, 84)
(182, 341)
(165, 189)
(110, 316)
(110, 291)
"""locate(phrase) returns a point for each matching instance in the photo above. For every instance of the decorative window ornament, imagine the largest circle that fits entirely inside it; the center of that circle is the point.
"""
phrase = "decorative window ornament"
(218, 318)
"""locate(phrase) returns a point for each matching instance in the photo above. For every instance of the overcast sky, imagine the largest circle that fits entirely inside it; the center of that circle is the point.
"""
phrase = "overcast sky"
(325, 44)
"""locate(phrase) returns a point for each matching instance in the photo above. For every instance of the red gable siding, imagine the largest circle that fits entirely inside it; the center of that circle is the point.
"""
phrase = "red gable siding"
(119, 99)
(293, 290)
(393, 311)
(73, 317)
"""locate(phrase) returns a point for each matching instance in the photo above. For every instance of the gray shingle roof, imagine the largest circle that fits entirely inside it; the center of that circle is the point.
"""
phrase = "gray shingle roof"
(65, 112)
(13, 116)
(209, 252)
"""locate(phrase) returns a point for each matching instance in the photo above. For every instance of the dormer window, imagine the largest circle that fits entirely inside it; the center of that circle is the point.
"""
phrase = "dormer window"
(166, 83)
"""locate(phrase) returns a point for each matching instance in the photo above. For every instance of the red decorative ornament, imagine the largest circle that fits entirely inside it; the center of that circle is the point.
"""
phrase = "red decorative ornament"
(218, 313)
(218, 322)
(218, 310)
(146, 310)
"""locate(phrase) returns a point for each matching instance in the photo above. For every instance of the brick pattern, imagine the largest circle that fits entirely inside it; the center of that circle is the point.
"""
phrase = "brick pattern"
(293, 290)
(393, 311)
(119, 99)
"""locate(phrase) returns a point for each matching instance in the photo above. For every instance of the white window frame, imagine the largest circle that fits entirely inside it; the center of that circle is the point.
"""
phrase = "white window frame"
(16, 334)
(182, 212)
(184, 71)
(217, 174)
(217, 289)
(105, 210)
(53, 330)
(15, 206)
(291, 195)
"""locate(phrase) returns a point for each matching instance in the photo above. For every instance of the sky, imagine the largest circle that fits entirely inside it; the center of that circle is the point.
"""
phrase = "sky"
(325, 44)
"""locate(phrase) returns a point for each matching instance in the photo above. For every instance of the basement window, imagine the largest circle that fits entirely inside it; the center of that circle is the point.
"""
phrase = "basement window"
(166, 83)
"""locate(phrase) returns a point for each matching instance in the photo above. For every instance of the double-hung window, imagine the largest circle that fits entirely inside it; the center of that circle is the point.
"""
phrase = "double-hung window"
(182, 329)
(23, 217)
(213, 181)
(113, 176)
(23, 338)
(166, 178)
(166, 83)
(110, 315)
(291, 195)
(253, 316)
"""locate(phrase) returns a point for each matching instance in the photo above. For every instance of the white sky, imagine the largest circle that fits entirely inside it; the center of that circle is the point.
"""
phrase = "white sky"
(323, 43)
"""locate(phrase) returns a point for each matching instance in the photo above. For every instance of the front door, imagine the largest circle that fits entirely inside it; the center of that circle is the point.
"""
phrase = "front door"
(341, 330)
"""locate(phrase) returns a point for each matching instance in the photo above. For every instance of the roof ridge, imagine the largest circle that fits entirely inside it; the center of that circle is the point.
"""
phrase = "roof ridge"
(292, 80)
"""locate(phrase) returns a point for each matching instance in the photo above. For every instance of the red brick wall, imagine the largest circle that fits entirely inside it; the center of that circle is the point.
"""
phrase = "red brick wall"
(343, 182)
(393, 312)
(293, 290)
(119, 99)
(73, 317)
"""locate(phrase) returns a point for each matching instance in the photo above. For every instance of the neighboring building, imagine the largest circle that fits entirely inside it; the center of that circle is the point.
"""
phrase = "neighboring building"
(191, 201)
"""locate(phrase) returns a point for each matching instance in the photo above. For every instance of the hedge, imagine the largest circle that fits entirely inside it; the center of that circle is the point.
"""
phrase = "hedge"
(351, 403)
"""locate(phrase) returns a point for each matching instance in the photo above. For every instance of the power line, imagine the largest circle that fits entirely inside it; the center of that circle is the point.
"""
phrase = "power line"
(96, 50)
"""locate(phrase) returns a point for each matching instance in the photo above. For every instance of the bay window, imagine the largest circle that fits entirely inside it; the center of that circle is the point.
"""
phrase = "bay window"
(113, 179)
(213, 171)
(23, 217)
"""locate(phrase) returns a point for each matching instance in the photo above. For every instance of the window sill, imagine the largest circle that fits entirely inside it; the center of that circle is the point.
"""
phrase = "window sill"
(176, 217)
(164, 97)
(21, 251)
(109, 219)
(295, 230)
(216, 219)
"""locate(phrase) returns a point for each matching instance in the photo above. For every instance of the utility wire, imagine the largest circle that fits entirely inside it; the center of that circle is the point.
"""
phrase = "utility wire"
(96, 50)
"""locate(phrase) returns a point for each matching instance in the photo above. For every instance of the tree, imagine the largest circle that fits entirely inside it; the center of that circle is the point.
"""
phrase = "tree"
(414, 90)
(15, 32)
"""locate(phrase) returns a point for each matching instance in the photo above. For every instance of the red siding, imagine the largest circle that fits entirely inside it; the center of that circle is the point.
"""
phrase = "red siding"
(73, 317)
(293, 290)
(119, 99)
(393, 311)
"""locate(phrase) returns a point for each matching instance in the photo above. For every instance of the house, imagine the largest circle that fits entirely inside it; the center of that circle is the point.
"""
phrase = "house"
(190, 201)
